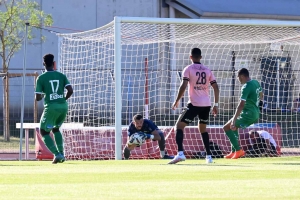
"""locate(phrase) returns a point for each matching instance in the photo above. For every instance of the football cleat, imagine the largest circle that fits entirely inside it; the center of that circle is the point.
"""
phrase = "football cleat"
(177, 158)
(229, 156)
(238, 154)
(58, 159)
(208, 159)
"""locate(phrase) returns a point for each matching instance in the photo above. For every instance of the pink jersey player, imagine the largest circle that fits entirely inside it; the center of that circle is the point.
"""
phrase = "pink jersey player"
(200, 79)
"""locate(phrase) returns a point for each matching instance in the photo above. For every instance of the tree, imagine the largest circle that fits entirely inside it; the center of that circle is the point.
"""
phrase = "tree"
(13, 17)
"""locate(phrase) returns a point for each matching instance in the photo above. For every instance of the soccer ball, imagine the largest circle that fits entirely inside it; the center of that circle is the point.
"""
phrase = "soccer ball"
(137, 139)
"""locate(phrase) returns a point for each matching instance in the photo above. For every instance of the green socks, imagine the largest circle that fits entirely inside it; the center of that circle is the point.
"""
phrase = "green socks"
(59, 141)
(50, 144)
(234, 140)
(59, 148)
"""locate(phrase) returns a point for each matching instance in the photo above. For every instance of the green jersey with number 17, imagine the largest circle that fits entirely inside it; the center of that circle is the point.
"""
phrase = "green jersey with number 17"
(251, 94)
(52, 84)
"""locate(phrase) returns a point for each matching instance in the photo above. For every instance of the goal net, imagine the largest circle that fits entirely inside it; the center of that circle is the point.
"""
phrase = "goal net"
(134, 65)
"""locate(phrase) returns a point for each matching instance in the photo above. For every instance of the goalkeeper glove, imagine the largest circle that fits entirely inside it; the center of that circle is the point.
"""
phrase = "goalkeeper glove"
(143, 135)
(146, 136)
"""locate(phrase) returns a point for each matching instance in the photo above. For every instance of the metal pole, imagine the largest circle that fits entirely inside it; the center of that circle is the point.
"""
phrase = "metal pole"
(146, 90)
(278, 84)
(35, 115)
(23, 89)
(233, 79)
(129, 100)
(26, 144)
(35, 105)
(172, 57)
(58, 54)
(118, 89)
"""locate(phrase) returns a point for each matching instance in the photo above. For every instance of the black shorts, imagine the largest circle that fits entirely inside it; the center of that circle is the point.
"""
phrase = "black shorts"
(190, 112)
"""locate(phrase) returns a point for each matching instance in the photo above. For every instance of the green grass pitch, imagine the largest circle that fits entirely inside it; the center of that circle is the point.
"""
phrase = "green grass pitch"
(247, 178)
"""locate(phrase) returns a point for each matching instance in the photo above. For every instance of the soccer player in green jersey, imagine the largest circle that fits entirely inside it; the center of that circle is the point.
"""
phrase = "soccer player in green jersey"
(51, 85)
(246, 113)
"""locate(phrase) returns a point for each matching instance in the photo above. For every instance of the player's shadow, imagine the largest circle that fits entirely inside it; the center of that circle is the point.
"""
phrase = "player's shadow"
(210, 165)
(285, 163)
(72, 163)
(5, 165)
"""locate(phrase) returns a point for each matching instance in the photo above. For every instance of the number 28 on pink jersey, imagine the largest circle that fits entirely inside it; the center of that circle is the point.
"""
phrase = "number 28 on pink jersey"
(200, 78)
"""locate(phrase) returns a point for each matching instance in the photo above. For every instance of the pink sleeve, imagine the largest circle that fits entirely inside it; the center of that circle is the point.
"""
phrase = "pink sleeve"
(186, 74)
(212, 78)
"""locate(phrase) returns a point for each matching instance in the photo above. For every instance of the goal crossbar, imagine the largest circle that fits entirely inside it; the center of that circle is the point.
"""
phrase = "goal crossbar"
(256, 22)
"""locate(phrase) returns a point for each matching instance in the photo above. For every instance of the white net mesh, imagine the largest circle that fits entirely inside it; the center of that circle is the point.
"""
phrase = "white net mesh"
(153, 56)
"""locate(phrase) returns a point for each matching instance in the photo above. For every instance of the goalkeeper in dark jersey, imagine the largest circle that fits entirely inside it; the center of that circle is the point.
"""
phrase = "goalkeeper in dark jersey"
(51, 85)
(150, 131)
(247, 112)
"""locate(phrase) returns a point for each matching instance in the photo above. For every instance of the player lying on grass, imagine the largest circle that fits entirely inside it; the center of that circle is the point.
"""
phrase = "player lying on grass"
(149, 131)
(247, 112)
(262, 143)
(51, 85)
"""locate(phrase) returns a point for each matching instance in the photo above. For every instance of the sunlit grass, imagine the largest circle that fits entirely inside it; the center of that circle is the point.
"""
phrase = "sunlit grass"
(256, 178)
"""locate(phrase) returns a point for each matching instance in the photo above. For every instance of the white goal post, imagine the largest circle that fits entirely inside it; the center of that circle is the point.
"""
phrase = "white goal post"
(131, 66)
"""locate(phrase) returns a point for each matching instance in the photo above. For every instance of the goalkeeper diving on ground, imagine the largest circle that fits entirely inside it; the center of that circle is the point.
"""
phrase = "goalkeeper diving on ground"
(146, 129)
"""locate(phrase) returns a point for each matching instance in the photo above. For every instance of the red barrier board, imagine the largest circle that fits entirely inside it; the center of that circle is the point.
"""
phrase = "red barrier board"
(100, 144)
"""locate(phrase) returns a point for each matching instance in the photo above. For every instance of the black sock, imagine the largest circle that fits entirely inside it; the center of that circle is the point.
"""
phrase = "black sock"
(205, 139)
(179, 139)
(126, 153)
(162, 142)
